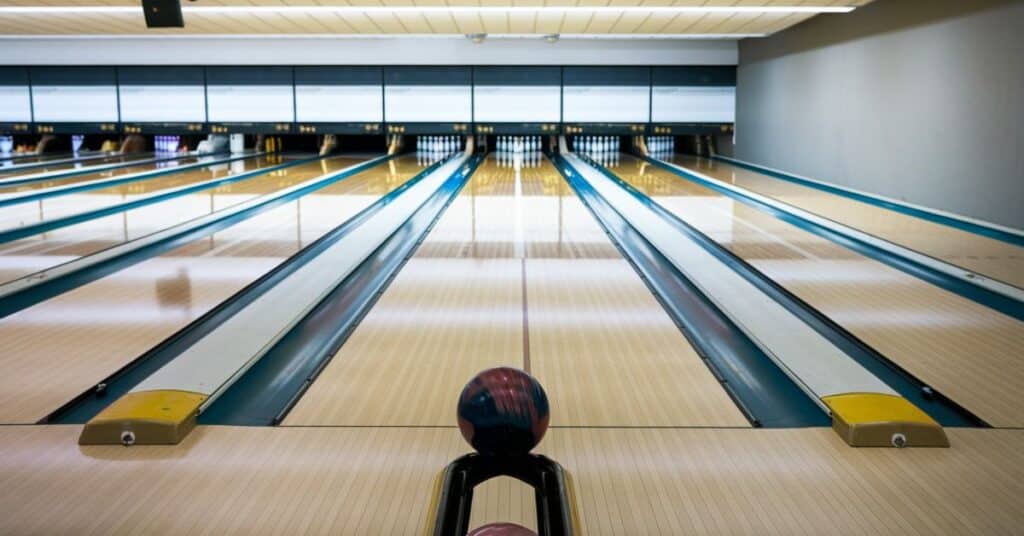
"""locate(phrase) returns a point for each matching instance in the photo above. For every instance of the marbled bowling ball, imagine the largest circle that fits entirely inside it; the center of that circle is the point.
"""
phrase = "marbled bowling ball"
(501, 529)
(503, 411)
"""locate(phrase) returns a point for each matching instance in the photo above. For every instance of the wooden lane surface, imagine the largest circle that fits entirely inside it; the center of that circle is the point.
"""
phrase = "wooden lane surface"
(966, 351)
(38, 252)
(62, 347)
(325, 480)
(987, 256)
(479, 295)
(10, 190)
(70, 166)
(22, 214)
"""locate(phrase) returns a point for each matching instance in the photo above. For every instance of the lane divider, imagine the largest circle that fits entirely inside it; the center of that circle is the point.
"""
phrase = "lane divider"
(34, 288)
(273, 385)
(964, 223)
(991, 293)
(814, 363)
(63, 174)
(17, 233)
(765, 394)
(209, 366)
(43, 193)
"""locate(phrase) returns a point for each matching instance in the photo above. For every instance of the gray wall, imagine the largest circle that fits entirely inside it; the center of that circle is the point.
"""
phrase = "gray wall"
(919, 100)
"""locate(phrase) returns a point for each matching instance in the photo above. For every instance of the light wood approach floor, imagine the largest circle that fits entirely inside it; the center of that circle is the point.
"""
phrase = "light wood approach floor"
(983, 255)
(966, 351)
(70, 166)
(62, 347)
(41, 251)
(326, 480)
(517, 272)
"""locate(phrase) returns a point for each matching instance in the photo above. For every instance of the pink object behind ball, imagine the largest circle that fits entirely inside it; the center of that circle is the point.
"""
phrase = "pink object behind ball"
(501, 529)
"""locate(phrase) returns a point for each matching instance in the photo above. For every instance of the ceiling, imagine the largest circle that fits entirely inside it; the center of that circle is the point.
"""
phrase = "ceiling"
(583, 18)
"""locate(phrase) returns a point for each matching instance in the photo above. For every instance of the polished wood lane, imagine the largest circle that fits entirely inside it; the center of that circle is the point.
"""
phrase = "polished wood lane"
(517, 272)
(62, 347)
(966, 351)
(71, 166)
(22, 214)
(325, 480)
(41, 251)
(987, 256)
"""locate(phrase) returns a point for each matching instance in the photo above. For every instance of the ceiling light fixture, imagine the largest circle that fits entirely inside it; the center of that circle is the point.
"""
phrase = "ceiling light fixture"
(244, 10)
(551, 38)
(476, 38)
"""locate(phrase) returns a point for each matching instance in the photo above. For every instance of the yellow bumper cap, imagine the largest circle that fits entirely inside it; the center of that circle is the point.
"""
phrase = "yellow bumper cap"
(162, 417)
(881, 420)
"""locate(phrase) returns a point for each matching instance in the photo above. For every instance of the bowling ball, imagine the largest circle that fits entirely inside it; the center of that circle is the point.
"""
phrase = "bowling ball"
(501, 529)
(503, 411)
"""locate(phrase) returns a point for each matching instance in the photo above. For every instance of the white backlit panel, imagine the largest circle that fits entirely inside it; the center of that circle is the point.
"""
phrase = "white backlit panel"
(521, 104)
(250, 103)
(15, 104)
(339, 104)
(606, 104)
(694, 105)
(163, 103)
(423, 104)
(75, 104)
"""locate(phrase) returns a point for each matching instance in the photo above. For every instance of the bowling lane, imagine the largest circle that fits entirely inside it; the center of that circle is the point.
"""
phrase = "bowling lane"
(38, 252)
(62, 347)
(992, 258)
(11, 190)
(517, 272)
(966, 351)
(33, 212)
(70, 166)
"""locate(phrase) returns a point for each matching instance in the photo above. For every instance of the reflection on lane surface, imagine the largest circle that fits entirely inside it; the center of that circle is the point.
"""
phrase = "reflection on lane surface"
(71, 166)
(61, 347)
(32, 212)
(41, 251)
(964, 350)
(517, 272)
(993, 258)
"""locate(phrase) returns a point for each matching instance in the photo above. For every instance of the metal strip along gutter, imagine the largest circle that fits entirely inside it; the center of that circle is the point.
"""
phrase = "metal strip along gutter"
(164, 406)
(17, 233)
(44, 163)
(865, 410)
(40, 286)
(24, 197)
(269, 390)
(980, 227)
(1006, 299)
(51, 175)
(763, 392)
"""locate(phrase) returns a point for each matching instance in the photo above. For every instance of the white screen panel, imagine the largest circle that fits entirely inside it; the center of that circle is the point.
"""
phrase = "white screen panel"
(75, 104)
(250, 103)
(694, 105)
(422, 104)
(517, 104)
(606, 104)
(15, 104)
(163, 103)
(339, 104)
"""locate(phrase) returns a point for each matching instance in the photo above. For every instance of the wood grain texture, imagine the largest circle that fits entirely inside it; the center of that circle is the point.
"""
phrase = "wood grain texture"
(603, 347)
(987, 256)
(964, 350)
(287, 480)
(61, 347)
(38, 252)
